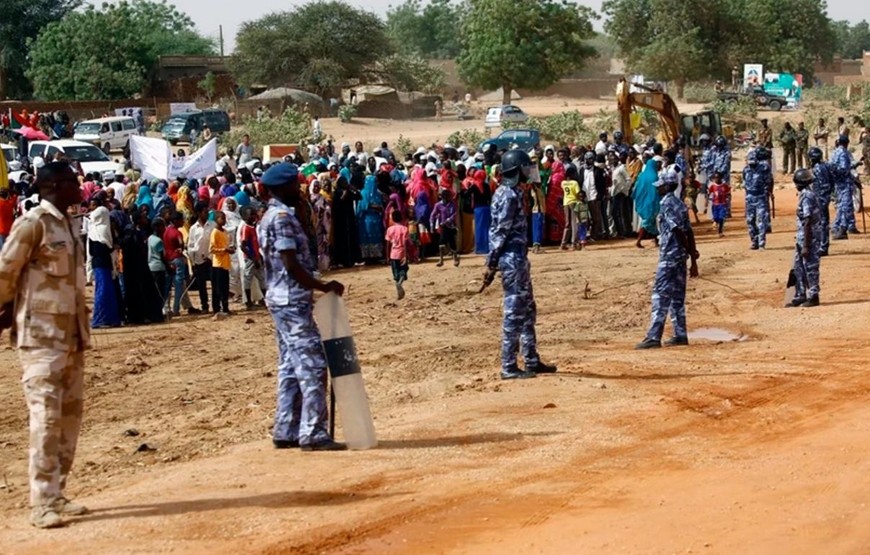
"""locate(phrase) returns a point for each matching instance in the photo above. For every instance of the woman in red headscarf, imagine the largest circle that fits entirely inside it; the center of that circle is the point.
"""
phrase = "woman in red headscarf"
(555, 215)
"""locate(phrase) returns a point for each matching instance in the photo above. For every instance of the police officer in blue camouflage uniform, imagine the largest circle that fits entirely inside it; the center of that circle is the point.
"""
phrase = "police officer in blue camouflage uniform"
(756, 186)
(676, 244)
(823, 187)
(705, 166)
(766, 171)
(721, 155)
(301, 416)
(508, 254)
(807, 242)
(841, 168)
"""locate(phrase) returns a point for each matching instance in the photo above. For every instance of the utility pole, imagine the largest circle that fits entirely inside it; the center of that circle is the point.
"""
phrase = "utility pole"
(221, 39)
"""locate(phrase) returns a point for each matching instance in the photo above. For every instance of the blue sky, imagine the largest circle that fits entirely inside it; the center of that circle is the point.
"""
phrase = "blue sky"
(209, 15)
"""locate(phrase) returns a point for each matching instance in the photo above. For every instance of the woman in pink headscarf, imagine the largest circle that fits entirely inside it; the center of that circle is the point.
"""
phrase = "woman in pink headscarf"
(555, 216)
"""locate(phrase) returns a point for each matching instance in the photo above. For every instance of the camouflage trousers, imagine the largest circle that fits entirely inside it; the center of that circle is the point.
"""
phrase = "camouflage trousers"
(806, 273)
(301, 412)
(53, 390)
(520, 311)
(845, 218)
(825, 205)
(757, 219)
(669, 297)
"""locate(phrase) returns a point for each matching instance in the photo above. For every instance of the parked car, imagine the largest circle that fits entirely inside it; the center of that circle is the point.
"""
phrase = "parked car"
(497, 116)
(106, 133)
(525, 139)
(763, 99)
(90, 158)
(10, 152)
(178, 127)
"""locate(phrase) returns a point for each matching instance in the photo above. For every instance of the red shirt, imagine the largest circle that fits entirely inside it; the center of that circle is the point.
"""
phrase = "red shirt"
(7, 213)
(250, 243)
(718, 193)
(173, 243)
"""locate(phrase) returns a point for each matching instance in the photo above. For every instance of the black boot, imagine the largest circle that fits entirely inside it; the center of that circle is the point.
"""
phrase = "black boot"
(677, 341)
(648, 343)
(811, 302)
(514, 373)
(541, 368)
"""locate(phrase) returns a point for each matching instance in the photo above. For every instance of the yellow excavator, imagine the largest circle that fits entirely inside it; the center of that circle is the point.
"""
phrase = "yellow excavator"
(673, 124)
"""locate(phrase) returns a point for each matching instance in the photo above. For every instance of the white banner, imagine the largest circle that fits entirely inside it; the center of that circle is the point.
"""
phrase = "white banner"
(198, 165)
(151, 156)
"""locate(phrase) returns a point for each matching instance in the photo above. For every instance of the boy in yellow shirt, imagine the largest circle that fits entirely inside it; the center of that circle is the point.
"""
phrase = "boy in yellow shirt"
(570, 197)
(220, 248)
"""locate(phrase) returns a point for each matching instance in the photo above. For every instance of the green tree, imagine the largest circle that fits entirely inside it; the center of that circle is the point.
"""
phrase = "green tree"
(208, 85)
(295, 46)
(673, 40)
(527, 44)
(21, 21)
(429, 32)
(410, 73)
(107, 53)
(789, 44)
(852, 40)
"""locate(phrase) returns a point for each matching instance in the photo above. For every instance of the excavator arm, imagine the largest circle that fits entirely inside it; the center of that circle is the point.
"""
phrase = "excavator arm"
(661, 103)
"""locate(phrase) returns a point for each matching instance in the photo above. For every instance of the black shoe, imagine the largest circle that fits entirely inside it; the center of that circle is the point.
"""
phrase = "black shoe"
(541, 368)
(797, 301)
(648, 344)
(854, 231)
(823, 252)
(840, 237)
(514, 373)
(193, 311)
(327, 445)
(812, 301)
(754, 247)
(677, 341)
(285, 443)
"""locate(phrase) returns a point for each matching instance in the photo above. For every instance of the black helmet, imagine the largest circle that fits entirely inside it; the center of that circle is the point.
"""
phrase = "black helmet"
(815, 154)
(589, 157)
(762, 153)
(514, 161)
(618, 136)
(721, 141)
(803, 178)
(843, 140)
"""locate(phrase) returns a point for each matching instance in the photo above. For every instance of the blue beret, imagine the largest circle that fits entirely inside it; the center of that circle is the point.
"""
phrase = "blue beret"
(280, 174)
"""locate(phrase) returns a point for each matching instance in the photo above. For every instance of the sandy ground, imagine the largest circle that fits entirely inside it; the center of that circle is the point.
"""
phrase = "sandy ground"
(750, 446)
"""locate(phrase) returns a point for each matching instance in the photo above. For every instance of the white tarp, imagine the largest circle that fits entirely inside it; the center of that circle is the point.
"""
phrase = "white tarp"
(198, 165)
(181, 107)
(153, 157)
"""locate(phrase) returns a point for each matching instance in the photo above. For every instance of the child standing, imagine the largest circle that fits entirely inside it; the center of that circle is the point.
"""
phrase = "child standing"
(718, 193)
(398, 238)
(538, 214)
(691, 188)
(252, 261)
(581, 212)
(220, 249)
(570, 198)
(157, 260)
(443, 219)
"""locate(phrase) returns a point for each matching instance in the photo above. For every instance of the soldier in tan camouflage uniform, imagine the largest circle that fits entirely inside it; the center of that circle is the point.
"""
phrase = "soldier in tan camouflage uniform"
(42, 298)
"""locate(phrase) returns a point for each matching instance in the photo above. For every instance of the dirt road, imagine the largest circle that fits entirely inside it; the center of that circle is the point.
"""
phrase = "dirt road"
(754, 446)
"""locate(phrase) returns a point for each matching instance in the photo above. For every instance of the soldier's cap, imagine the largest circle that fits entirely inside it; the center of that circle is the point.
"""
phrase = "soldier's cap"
(280, 174)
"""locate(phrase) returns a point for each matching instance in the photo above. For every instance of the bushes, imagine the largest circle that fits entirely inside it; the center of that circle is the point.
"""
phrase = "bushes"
(468, 137)
(699, 93)
(565, 127)
(290, 127)
(741, 106)
(346, 112)
(403, 147)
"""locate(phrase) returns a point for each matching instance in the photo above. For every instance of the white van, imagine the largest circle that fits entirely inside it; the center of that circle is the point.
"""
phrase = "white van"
(106, 133)
(90, 158)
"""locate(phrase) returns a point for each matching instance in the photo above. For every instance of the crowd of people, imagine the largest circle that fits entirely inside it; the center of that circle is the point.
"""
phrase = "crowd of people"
(154, 245)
